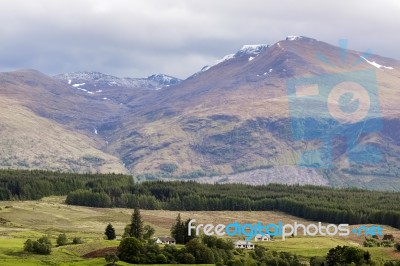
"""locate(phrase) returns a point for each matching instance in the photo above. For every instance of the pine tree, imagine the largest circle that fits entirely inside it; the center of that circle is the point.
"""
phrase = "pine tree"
(136, 224)
(178, 230)
(185, 232)
(110, 232)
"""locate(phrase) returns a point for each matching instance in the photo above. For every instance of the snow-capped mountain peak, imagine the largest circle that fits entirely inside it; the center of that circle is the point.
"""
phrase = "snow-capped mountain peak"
(83, 75)
(164, 79)
(293, 38)
(251, 49)
(248, 50)
(99, 84)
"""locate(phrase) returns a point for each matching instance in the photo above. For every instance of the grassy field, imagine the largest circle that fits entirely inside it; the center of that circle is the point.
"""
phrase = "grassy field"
(50, 216)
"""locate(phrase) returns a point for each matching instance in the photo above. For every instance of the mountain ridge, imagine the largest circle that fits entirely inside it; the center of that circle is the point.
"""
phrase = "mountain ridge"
(230, 118)
(160, 80)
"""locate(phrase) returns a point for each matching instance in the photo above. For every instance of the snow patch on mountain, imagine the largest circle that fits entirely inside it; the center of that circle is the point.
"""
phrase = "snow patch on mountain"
(375, 64)
(250, 51)
(293, 38)
(78, 85)
(164, 79)
(223, 59)
(97, 81)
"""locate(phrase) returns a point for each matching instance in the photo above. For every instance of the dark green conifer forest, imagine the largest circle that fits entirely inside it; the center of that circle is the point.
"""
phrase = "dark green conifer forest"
(353, 206)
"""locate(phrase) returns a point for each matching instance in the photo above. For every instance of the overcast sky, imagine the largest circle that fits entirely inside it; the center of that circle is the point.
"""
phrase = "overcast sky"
(137, 38)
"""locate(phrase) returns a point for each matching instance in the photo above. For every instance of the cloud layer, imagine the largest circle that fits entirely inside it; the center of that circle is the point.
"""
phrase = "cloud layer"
(138, 38)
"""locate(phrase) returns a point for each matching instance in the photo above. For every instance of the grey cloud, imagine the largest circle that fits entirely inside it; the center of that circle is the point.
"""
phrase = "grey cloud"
(177, 37)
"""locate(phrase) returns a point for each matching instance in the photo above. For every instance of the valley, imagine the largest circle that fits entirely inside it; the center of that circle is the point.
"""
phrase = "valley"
(50, 216)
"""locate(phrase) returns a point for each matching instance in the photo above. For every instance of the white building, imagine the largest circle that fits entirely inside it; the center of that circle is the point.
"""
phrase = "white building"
(166, 240)
(244, 244)
(262, 237)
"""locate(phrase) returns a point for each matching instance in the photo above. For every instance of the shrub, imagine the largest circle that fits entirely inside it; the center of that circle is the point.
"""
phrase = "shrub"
(62, 240)
(388, 237)
(28, 245)
(317, 261)
(111, 258)
(371, 242)
(387, 243)
(161, 259)
(77, 240)
(188, 259)
(41, 246)
(129, 250)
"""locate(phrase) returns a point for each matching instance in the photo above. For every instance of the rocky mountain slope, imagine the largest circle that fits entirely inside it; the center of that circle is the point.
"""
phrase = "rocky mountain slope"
(34, 116)
(234, 119)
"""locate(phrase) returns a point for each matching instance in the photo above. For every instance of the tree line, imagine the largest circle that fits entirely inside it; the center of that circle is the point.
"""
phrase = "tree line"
(36, 184)
(353, 206)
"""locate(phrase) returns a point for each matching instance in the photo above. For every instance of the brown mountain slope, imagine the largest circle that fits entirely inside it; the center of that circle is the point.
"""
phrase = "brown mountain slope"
(230, 118)
(235, 117)
(29, 141)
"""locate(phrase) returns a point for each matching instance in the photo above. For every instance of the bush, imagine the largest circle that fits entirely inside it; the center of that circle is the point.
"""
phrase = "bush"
(129, 250)
(62, 240)
(28, 245)
(348, 255)
(387, 244)
(388, 237)
(111, 258)
(77, 240)
(392, 263)
(371, 242)
(374, 242)
(317, 261)
(237, 262)
(188, 259)
(397, 246)
(161, 259)
(41, 246)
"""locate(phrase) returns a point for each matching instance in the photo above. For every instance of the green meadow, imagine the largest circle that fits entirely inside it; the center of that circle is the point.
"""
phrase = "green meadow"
(21, 220)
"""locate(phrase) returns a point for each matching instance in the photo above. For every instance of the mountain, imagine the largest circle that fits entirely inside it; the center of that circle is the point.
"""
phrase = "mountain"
(234, 117)
(107, 87)
(248, 51)
(96, 79)
(34, 131)
(232, 121)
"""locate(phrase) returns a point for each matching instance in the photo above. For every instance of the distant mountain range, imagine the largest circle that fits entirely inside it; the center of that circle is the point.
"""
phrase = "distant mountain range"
(96, 79)
(229, 122)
